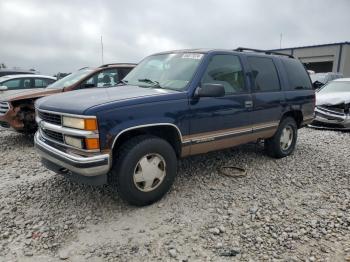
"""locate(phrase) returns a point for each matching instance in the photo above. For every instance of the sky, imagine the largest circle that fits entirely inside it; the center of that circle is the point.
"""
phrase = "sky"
(63, 36)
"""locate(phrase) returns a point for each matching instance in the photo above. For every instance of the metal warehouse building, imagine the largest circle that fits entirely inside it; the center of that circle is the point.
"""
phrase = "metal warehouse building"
(323, 58)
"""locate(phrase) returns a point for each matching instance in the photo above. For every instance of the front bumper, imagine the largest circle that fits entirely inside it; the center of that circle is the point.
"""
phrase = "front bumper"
(330, 120)
(87, 168)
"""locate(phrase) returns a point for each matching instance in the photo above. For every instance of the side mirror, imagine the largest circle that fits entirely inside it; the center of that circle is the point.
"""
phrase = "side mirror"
(3, 88)
(210, 90)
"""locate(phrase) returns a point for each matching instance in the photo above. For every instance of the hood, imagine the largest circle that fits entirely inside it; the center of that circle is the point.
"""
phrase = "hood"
(330, 99)
(76, 102)
(19, 94)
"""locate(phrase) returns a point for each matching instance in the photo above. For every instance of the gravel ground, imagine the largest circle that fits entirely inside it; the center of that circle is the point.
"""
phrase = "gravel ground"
(292, 209)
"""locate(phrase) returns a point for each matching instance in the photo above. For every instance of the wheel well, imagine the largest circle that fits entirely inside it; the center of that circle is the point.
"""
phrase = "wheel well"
(168, 133)
(296, 114)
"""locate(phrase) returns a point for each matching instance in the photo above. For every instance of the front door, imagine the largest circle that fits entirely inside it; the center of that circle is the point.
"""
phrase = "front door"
(221, 122)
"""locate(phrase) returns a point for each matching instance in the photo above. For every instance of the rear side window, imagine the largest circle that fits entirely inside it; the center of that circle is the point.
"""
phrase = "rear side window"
(264, 74)
(41, 82)
(297, 75)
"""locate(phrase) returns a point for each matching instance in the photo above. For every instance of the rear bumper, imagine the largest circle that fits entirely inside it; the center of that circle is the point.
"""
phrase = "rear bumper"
(74, 166)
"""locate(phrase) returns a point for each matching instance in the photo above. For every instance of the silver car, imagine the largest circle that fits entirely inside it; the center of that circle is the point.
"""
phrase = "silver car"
(332, 105)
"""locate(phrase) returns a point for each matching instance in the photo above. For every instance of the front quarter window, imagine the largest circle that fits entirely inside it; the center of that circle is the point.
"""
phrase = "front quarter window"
(169, 71)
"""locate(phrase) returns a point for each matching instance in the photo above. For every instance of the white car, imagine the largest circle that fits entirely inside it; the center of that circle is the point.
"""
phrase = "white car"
(25, 81)
(333, 105)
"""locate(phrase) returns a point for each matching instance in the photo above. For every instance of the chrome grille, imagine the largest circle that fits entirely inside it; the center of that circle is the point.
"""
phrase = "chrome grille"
(53, 135)
(50, 127)
(50, 118)
(4, 107)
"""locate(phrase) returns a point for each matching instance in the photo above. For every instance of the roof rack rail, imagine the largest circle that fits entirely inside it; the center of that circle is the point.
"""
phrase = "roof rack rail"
(106, 65)
(83, 68)
(242, 49)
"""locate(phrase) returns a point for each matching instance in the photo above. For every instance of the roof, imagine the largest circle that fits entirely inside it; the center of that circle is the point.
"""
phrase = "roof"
(311, 46)
(238, 50)
(192, 50)
(7, 77)
(118, 65)
(16, 70)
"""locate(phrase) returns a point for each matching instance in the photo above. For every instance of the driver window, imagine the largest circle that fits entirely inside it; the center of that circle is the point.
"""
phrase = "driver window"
(225, 70)
(27, 83)
(12, 84)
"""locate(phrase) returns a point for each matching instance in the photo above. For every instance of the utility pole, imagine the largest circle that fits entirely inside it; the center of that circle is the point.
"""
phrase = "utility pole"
(102, 50)
(281, 40)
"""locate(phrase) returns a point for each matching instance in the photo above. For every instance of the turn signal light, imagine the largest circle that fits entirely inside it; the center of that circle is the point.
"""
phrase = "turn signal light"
(91, 124)
(92, 143)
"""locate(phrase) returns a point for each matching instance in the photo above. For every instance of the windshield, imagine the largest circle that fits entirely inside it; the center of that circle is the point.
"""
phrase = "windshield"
(169, 71)
(70, 79)
(335, 87)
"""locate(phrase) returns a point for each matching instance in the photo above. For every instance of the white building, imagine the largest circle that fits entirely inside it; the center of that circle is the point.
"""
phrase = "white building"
(323, 58)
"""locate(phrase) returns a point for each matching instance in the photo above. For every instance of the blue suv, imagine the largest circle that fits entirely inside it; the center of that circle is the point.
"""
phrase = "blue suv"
(172, 105)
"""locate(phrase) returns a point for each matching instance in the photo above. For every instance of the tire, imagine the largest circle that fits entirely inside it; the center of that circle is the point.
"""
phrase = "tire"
(277, 146)
(150, 153)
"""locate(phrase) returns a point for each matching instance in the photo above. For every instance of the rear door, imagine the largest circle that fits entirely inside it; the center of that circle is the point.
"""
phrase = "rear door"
(42, 82)
(299, 93)
(268, 98)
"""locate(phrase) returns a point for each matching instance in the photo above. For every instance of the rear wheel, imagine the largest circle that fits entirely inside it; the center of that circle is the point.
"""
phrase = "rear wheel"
(144, 170)
(283, 143)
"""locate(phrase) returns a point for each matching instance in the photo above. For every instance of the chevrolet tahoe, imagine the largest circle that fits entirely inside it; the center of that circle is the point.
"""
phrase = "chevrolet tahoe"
(172, 105)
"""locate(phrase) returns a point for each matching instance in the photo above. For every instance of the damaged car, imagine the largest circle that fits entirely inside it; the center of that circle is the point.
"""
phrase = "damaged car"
(332, 106)
(320, 79)
(17, 106)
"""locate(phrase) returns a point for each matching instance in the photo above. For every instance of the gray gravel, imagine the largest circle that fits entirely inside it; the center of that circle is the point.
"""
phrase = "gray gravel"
(292, 209)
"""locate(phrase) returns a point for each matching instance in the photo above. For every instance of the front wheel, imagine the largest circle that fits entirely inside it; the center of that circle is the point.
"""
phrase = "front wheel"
(144, 170)
(283, 143)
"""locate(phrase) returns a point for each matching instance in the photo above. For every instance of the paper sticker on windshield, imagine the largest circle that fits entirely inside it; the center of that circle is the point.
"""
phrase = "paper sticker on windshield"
(192, 56)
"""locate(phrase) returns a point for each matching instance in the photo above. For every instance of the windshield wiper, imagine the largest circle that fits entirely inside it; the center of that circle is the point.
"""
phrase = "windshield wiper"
(149, 81)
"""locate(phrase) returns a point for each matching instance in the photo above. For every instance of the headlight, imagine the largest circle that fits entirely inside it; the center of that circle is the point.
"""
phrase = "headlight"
(74, 141)
(82, 143)
(80, 123)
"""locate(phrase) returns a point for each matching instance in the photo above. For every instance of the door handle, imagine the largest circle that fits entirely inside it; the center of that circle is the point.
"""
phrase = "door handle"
(248, 104)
